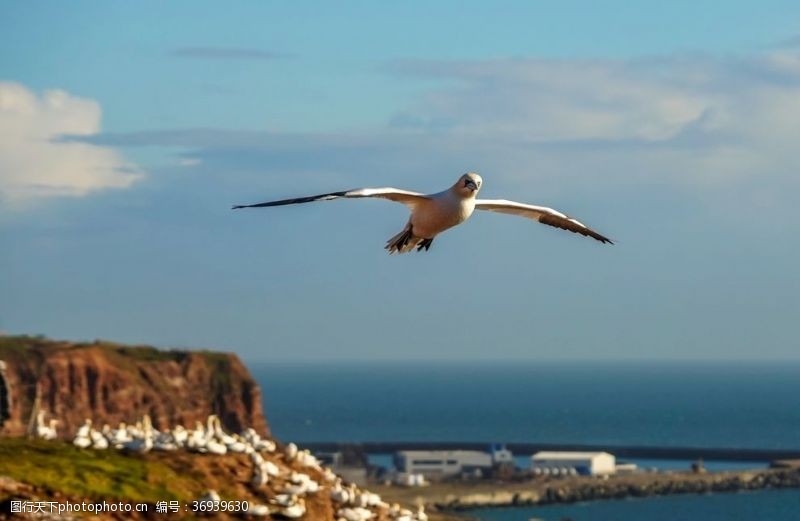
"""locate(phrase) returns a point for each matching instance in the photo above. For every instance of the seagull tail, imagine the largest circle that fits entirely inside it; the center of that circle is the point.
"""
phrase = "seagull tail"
(403, 242)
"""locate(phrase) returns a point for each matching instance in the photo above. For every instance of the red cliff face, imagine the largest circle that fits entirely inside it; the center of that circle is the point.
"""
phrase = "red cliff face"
(110, 383)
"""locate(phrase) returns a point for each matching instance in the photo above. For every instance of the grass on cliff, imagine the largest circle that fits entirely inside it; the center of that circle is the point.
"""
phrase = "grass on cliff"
(59, 466)
(11, 345)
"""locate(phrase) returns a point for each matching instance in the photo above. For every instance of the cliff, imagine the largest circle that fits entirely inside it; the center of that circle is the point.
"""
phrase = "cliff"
(111, 383)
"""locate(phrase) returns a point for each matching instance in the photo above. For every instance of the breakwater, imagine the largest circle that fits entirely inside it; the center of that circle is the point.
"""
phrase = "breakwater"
(463, 496)
(624, 488)
(620, 451)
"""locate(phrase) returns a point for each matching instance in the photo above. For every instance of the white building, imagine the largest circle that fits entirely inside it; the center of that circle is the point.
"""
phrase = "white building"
(566, 463)
(441, 463)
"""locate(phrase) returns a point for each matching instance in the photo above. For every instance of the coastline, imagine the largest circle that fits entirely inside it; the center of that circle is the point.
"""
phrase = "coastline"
(462, 497)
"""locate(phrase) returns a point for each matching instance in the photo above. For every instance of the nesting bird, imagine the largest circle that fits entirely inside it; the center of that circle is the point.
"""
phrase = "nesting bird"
(289, 488)
(46, 431)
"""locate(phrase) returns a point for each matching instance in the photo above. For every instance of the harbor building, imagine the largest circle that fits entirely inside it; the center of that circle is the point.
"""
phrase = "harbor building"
(566, 463)
(445, 463)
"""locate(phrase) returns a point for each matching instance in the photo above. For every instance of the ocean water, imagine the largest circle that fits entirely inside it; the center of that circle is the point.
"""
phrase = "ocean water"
(754, 405)
(770, 505)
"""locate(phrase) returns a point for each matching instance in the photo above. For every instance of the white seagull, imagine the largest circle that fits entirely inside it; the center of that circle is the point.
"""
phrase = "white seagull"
(434, 213)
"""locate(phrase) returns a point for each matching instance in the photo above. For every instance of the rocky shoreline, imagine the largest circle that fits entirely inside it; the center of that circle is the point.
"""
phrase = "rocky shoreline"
(461, 497)
(644, 485)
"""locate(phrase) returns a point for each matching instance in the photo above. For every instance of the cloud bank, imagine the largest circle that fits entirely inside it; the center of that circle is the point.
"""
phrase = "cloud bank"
(695, 119)
(719, 128)
(35, 164)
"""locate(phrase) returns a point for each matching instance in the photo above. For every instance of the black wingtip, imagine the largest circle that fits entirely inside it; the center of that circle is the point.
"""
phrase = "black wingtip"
(237, 206)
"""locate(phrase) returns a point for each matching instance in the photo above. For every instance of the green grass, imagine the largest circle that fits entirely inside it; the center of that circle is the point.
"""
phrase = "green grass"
(59, 466)
(17, 345)
(147, 353)
(11, 345)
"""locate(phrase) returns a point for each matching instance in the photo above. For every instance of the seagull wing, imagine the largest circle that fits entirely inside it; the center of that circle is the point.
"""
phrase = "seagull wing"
(540, 213)
(410, 199)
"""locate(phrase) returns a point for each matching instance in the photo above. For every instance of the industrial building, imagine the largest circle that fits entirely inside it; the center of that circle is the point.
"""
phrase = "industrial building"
(565, 463)
(443, 463)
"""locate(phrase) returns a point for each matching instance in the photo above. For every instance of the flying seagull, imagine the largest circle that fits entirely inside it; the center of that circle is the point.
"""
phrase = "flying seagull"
(434, 213)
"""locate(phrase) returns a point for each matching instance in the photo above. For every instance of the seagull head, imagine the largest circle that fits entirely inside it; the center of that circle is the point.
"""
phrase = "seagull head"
(468, 184)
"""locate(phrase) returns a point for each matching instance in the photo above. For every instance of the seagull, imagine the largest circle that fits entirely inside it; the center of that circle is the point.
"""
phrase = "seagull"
(432, 214)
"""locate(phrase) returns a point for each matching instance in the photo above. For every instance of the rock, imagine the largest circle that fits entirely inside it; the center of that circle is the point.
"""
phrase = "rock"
(527, 497)
(110, 383)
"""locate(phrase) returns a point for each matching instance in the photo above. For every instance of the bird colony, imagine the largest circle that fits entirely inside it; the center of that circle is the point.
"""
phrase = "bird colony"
(271, 464)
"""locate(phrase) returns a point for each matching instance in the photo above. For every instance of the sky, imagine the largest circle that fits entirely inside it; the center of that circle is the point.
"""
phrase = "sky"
(128, 131)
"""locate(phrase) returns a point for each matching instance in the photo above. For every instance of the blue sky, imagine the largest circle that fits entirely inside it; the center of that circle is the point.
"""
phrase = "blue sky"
(129, 132)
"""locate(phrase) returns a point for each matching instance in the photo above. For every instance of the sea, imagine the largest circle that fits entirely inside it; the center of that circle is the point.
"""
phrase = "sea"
(682, 404)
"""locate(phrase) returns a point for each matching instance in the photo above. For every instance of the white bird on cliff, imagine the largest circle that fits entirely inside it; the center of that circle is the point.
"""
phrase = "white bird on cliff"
(433, 214)
(82, 442)
(210, 442)
(301, 484)
(328, 475)
(400, 514)
(215, 447)
(340, 494)
(98, 440)
(142, 438)
(284, 500)
(120, 435)
(290, 451)
(355, 514)
(45, 431)
(180, 435)
(165, 441)
(83, 431)
(260, 477)
(264, 445)
(258, 510)
(220, 434)
(305, 458)
(294, 511)
(140, 445)
(250, 436)
(257, 459)
(82, 439)
(271, 469)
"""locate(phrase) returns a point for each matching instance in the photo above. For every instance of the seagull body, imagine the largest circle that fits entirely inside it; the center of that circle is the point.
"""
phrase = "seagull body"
(433, 214)
(45, 431)
(98, 440)
(271, 469)
(83, 431)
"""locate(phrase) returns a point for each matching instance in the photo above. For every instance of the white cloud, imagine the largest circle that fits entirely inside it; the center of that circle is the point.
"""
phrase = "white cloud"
(189, 161)
(545, 127)
(545, 100)
(35, 163)
(700, 119)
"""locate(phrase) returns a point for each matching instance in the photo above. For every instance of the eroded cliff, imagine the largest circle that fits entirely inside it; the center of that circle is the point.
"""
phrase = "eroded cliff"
(111, 383)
